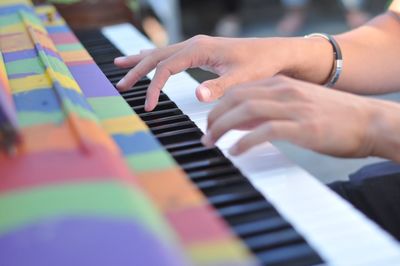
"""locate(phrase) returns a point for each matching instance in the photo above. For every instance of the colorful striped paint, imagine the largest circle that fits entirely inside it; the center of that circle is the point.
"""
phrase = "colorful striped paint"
(72, 120)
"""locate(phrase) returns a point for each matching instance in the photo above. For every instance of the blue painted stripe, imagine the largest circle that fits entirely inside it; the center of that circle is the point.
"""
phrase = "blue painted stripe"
(27, 54)
(45, 100)
(137, 143)
(5, 10)
(57, 29)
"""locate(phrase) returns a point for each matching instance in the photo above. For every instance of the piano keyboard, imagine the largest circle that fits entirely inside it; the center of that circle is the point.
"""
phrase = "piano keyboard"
(94, 183)
(340, 234)
(266, 233)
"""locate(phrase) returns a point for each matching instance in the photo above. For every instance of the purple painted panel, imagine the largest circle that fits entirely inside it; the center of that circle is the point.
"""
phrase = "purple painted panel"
(92, 81)
(83, 242)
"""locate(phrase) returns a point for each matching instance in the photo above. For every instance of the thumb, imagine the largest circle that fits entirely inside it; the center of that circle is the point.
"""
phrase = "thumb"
(213, 89)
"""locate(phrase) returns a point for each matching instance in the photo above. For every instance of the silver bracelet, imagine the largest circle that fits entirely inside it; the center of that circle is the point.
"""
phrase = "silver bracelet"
(338, 63)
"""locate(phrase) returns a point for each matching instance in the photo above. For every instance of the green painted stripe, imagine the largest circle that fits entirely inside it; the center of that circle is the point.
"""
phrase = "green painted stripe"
(32, 18)
(26, 119)
(57, 65)
(69, 47)
(110, 107)
(36, 65)
(105, 199)
(81, 111)
(15, 18)
(156, 160)
(27, 65)
(9, 19)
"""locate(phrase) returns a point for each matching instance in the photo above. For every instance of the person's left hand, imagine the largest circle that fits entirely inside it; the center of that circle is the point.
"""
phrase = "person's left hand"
(312, 116)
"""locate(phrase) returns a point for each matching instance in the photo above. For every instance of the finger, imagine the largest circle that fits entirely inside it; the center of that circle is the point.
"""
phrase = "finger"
(232, 99)
(136, 73)
(275, 130)
(129, 61)
(144, 63)
(248, 113)
(214, 89)
(178, 62)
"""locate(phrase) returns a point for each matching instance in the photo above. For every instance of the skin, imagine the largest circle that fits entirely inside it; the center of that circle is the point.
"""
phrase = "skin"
(269, 86)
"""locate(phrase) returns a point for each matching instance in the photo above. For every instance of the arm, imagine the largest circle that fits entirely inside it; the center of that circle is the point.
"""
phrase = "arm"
(371, 60)
(371, 57)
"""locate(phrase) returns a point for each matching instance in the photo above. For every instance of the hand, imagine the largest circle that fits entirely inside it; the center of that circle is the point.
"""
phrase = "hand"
(315, 117)
(234, 60)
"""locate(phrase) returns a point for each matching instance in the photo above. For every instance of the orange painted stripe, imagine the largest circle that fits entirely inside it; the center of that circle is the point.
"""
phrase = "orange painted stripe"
(170, 189)
(70, 56)
(40, 138)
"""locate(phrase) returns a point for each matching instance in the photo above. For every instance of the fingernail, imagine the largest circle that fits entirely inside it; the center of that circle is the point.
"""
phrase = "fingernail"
(121, 82)
(147, 106)
(121, 58)
(234, 150)
(207, 140)
(204, 92)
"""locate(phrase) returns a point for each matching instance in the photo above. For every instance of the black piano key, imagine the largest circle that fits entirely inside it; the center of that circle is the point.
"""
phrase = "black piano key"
(271, 238)
(177, 136)
(172, 127)
(208, 185)
(243, 209)
(159, 114)
(214, 173)
(167, 120)
(230, 199)
(198, 165)
(163, 105)
(140, 100)
(292, 255)
(262, 225)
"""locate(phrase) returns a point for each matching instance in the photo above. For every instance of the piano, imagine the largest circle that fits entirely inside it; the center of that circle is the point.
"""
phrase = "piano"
(95, 180)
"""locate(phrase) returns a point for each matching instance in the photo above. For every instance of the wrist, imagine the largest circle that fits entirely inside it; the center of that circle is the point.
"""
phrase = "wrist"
(385, 129)
(308, 59)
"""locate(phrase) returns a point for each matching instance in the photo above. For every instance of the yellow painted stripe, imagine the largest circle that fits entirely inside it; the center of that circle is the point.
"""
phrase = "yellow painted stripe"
(224, 251)
(73, 56)
(13, 2)
(42, 81)
(30, 83)
(66, 82)
(14, 28)
(124, 125)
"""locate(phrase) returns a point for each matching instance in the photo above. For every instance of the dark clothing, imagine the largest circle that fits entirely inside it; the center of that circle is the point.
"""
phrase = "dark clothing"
(375, 191)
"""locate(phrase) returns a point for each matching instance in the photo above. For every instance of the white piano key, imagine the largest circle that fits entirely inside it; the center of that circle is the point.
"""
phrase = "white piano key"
(339, 233)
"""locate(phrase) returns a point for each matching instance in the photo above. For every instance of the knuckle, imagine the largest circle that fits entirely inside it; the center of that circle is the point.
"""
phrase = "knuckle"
(307, 110)
(134, 74)
(251, 107)
(291, 92)
(163, 68)
(281, 78)
(200, 40)
(269, 130)
(236, 95)
(242, 144)
(314, 128)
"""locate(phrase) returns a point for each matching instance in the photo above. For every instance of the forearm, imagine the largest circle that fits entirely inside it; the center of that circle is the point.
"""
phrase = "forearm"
(371, 58)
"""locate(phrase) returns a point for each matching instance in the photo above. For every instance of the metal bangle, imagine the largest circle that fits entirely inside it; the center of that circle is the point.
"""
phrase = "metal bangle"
(338, 62)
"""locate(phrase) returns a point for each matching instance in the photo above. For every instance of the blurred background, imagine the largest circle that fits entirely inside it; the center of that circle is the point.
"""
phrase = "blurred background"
(169, 21)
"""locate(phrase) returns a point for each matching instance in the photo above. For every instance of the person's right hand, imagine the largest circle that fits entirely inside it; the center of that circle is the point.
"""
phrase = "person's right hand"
(234, 60)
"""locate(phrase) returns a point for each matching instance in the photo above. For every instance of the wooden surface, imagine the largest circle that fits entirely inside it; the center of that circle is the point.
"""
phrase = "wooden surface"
(87, 14)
